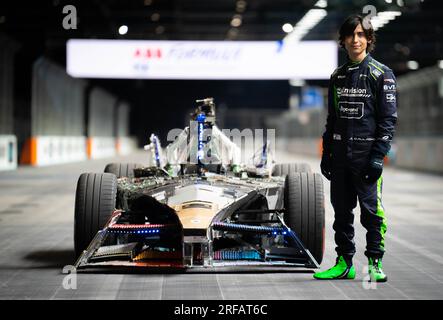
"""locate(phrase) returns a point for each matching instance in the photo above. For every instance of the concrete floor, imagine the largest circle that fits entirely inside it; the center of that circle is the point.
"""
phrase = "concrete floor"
(36, 242)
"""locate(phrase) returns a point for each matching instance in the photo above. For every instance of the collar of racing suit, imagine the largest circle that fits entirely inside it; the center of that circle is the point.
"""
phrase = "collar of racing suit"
(358, 65)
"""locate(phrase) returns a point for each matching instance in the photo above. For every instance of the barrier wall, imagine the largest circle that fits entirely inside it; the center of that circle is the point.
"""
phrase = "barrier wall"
(57, 102)
(126, 145)
(101, 126)
(7, 50)
(101, 147)
(8, 152)
(419, 153)
(58, 149)
(69, 123)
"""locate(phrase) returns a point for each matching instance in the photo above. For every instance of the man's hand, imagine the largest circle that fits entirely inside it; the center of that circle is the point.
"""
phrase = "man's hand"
(326, 166)
(374, 170)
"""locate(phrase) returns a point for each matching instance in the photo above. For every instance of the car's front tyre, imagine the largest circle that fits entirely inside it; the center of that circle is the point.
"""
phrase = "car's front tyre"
(94, 204)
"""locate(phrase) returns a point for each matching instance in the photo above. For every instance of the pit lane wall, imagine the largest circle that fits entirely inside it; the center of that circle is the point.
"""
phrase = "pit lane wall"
(8, 152)
(72, 120)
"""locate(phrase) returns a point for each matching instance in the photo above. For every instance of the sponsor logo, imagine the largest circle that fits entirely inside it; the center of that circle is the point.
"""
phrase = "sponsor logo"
(376, 72)
(363, 76)
(143, 55)
(337, 136)
(360, 139)
(352, 92)
(390, 97)
(389, 87)
(353, 68)
(385, 138)
(341, 77)
(148, 53)
(351, 110)
(390, 80)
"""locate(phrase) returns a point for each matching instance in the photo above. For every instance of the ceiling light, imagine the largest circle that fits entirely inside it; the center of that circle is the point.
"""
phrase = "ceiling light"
(159, 30)
(413, 65)
(123, 30)
(440, 64)
(241, 6)
(382, 18)
(287, 27)
(155, 17)
(322, 3)
(309, 21)
(236, 22)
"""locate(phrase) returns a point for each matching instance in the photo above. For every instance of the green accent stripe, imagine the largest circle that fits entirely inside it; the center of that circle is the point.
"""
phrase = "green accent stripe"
(381, 212)
(381, 70)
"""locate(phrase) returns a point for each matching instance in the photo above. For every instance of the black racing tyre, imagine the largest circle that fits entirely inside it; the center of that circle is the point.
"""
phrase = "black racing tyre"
(122, 169)
(94, 204)
(282, 169)
(305, 210)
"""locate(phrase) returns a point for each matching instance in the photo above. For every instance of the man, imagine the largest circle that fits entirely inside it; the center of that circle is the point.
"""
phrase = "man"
(362, 113)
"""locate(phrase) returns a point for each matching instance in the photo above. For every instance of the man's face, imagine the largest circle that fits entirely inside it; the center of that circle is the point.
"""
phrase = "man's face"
(356, 43)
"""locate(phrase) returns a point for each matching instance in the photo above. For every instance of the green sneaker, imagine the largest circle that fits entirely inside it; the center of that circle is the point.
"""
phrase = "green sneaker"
(375, 270)
(341, 270)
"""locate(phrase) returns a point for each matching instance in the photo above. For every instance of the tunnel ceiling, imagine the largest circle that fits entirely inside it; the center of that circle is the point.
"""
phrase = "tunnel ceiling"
(416, 35)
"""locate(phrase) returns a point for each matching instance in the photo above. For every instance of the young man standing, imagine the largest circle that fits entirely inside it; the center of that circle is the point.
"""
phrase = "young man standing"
(362, 113)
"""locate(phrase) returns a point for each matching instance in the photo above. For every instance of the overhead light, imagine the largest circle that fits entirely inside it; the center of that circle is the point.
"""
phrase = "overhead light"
(388, 1)
(322, 3)
(159, 30)
(147, 2)
(241, 6)
(309, 21)
(412, 65)
(287, 27)
(236, 21)
(440, 64)
(155, 17)
(123, 30)
(400, 3)
(382, 18)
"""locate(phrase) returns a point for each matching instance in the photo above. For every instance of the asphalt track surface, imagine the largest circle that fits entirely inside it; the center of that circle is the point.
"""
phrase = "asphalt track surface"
(36, 242)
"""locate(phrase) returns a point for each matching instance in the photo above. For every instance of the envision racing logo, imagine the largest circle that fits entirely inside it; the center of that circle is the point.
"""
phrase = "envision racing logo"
(352, 92)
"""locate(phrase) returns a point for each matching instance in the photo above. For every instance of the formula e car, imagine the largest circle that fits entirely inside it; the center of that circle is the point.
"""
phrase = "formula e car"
(135, 215)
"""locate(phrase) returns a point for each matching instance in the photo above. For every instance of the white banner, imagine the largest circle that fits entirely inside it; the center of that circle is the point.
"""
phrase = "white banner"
(138, 59)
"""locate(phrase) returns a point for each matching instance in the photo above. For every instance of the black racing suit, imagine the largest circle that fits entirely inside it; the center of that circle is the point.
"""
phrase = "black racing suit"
(362, 113)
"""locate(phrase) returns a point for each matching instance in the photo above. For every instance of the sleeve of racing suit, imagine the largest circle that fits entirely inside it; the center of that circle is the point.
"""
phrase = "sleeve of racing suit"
(330, 120)
(386, 114)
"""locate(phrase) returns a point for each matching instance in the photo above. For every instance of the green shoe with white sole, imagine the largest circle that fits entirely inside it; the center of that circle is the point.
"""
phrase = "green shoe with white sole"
(340, 271)
(375, 270)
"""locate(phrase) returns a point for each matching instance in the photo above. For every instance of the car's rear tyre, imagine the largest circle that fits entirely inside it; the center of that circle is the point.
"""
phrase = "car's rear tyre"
(282, 169)
(122, 169)
(305, 210)
(94, 205)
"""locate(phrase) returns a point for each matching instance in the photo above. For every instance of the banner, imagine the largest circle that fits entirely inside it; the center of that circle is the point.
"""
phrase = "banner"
(229, 60)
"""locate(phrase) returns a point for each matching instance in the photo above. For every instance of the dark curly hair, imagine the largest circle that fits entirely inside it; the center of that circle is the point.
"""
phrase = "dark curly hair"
(348, 27)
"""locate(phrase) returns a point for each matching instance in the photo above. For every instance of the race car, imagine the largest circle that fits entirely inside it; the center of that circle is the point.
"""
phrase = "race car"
(202, 216)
